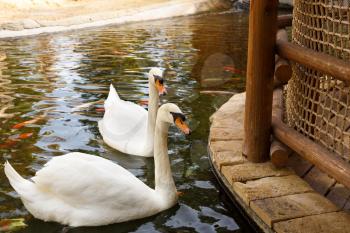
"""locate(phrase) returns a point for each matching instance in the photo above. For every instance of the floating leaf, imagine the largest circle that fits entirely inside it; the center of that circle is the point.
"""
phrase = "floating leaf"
(86, 105)
(24, 123)
(12, 224)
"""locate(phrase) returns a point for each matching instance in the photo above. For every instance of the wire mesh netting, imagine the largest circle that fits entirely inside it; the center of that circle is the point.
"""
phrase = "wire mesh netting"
(318, 105)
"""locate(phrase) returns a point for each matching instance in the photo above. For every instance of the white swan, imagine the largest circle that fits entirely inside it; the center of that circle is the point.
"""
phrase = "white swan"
(127, 126)
(85, 190)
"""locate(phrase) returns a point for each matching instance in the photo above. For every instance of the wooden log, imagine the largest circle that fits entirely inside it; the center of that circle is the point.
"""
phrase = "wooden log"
(279, 154)
(277, 103)
(218, 92)
(339, 69)
(283, 70)
(325, 160)
(259, 85)
(285, 20)
(277, 83)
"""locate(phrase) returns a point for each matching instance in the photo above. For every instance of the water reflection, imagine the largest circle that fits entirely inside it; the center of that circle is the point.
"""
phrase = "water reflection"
(61, 80)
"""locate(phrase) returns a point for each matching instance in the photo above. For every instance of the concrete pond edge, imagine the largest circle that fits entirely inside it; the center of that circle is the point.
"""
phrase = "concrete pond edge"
(153, 12)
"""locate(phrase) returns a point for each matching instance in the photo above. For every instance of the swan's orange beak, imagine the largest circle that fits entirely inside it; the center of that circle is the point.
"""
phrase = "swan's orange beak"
(182, 126)
(160, 87)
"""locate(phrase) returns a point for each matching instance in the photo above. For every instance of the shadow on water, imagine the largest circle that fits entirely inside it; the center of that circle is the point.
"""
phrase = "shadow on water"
(52, 78)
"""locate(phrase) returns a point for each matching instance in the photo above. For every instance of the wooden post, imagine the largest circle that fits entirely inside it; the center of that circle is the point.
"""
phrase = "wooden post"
(260, 71)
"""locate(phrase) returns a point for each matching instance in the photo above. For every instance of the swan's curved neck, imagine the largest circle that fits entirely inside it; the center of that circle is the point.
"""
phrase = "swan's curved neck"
(164, 182)
(153, 105)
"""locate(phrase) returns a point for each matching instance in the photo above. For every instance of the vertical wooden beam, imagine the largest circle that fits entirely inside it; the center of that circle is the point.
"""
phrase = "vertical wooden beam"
(259, 85)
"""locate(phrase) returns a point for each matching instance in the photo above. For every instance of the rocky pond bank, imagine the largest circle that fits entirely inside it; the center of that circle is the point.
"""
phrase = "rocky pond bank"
(32, 17)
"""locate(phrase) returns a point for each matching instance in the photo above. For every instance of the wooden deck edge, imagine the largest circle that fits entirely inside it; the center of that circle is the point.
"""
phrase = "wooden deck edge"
(257, 224)
(279, 195)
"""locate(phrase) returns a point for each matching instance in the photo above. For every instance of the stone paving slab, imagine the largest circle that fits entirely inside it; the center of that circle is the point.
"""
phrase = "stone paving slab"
(252, 171)
(339, 194)
(336, 222)
(319, 181)
(277, 209)
(270, 187)
(225, 114)
(226, 158)
(232, 109)
(225, 111)
(227, 123)
(232, 146)
(299, 165)
(347, 206)
(224, 134)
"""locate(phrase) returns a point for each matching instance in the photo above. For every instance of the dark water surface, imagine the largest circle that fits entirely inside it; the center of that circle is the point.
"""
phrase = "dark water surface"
(49, 78)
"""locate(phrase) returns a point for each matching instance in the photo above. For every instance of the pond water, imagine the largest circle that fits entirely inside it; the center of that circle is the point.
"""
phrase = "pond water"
(50, 79)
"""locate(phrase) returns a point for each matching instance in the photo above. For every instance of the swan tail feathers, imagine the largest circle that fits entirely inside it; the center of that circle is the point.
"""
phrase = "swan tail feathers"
(20, 184)
(112, 98)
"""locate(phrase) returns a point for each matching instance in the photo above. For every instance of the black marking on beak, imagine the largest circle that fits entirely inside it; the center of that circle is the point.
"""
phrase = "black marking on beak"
(159, 78)
(177, 115)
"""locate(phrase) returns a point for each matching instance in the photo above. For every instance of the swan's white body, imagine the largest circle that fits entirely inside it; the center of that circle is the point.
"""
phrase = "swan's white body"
(128, 127)
(84, 190)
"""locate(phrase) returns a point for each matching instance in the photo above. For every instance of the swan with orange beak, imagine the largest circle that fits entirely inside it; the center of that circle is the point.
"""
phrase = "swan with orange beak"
(79, 189)
(128, 127)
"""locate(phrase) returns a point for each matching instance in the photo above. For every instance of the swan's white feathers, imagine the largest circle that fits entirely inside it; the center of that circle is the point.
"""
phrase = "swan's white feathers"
(112, 98)
(84, 190)
(121, 115)
(21, 185)
(124, 125)
(98, 181)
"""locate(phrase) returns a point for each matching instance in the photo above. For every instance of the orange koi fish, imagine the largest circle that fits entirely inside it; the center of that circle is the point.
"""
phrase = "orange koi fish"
(24, 123)
(99, 109)
(232, 70)
(24, 135)
(143, 102)
(12, 140)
